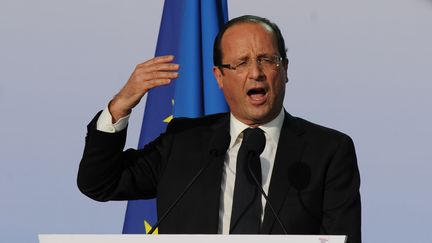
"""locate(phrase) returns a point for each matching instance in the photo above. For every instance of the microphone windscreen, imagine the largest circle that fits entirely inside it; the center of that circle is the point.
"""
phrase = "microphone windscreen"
(219, 143)
(255, 141)
(299, 175)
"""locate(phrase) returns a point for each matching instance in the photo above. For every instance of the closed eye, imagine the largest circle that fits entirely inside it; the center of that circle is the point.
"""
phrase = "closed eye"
(242, 63)
(265, 60)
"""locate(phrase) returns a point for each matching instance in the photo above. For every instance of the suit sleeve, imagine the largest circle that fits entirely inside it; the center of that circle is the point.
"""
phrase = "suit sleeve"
(106, 172)
(341, 205)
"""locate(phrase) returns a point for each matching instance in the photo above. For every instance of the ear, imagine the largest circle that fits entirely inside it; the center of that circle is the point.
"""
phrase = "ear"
(285, 65)
(219, 76)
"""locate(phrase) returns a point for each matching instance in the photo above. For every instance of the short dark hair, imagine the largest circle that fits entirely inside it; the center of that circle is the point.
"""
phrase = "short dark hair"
(217, 50)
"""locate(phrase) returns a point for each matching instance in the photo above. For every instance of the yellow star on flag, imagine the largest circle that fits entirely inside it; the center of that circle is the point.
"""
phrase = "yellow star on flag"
(148, 227)
(168, 119)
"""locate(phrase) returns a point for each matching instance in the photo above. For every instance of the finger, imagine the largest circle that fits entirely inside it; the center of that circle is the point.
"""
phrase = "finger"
(156, 83)
(159, 75)
(148, 76)
(159, 59)
(160, 67)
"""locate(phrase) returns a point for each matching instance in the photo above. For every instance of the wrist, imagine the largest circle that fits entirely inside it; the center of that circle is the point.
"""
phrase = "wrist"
(118, 109)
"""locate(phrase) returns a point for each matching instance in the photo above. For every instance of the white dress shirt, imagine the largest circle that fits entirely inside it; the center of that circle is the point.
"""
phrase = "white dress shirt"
(104, 122)
(271, 131)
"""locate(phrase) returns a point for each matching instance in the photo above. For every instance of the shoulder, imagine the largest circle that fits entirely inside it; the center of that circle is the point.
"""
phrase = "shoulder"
(204, 122)
(318, 133)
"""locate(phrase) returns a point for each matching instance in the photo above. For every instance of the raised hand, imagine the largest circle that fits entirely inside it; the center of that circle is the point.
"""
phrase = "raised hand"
(147, 75)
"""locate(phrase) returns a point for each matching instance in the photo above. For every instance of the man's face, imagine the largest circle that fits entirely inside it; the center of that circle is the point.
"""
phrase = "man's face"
(255, 95)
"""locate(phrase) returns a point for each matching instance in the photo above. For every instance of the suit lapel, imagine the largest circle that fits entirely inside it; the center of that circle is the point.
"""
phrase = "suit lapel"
(211, 178)
(289, 151)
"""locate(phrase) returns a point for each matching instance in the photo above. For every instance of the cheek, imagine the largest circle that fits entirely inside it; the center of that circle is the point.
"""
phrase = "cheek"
(234, 97)
(233, 93)
(228, 92)
(279, 89)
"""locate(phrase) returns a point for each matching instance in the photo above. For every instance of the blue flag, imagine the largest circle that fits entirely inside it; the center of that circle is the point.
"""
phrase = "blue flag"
(187, 31)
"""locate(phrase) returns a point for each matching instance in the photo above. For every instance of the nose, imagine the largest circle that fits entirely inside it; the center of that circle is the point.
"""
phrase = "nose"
(256, 71)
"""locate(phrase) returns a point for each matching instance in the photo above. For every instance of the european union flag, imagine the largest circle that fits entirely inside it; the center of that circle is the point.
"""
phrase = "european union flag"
(187, 31)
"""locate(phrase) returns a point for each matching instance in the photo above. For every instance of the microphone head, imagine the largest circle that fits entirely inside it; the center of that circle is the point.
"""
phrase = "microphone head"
(299, 175)
(255, 140)
(219, 143)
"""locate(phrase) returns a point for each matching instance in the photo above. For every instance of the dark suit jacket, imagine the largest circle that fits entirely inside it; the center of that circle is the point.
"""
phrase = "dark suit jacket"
(328, 201)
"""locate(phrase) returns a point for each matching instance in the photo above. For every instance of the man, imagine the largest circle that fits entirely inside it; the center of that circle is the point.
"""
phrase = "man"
(309, 172)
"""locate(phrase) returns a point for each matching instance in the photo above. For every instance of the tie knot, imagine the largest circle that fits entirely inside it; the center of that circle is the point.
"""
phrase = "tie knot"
(251, 132)
(254, 140)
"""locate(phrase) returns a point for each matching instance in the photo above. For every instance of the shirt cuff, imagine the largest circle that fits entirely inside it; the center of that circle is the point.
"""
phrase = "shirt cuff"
(104, 122)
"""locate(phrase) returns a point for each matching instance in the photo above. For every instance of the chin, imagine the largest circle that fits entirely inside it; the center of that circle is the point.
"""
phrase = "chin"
(261, 118)
(264, 116)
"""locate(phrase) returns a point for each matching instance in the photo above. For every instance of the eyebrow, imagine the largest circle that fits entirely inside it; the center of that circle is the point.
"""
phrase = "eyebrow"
(246, 57)
(242, 58)
(264, 55)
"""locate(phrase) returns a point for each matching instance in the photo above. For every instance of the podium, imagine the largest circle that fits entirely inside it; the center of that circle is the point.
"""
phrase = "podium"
(136, 238)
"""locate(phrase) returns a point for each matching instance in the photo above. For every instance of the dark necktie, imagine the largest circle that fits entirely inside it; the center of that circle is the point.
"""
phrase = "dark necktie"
(247, 207)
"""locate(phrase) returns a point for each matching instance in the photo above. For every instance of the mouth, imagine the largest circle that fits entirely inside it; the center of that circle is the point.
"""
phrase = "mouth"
(257, 95)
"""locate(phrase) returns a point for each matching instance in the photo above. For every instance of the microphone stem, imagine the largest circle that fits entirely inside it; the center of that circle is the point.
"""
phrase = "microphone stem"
(218, 144)
(176, 201)
(267, 199)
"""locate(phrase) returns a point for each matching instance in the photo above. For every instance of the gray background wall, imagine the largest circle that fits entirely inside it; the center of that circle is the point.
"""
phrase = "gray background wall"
(362, 67)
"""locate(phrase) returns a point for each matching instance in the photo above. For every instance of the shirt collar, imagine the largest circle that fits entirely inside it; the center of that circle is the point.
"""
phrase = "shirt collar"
(271, 129)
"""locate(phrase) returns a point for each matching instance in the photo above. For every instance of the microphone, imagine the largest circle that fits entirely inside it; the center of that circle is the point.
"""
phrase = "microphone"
(218, 146)
(255, 146)
(299, 176)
